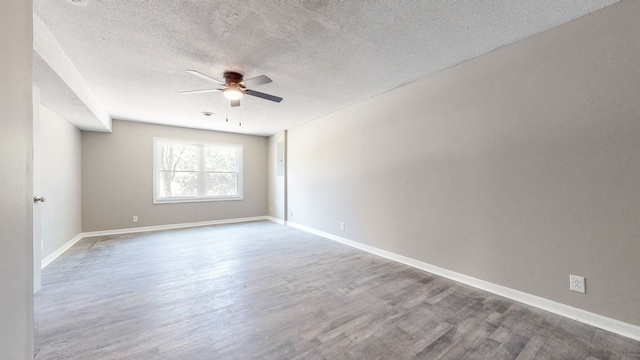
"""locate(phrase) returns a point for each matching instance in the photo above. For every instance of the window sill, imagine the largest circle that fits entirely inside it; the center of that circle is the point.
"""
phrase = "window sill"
(192, 200)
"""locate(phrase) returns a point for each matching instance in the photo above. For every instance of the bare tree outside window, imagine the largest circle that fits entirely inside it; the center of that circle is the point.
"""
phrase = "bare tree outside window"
(179, 170)
(221, 167)
(197, 171)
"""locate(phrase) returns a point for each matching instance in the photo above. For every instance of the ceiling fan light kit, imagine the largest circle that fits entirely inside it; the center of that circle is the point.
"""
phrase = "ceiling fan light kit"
(233, 92)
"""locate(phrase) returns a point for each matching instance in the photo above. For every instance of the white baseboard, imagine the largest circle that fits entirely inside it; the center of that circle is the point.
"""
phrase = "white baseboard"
(599, 321)
(46, 261)
(172, 226)
(276, 220)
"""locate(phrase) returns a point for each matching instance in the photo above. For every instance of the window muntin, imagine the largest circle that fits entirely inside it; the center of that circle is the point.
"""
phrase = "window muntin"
(187, 171)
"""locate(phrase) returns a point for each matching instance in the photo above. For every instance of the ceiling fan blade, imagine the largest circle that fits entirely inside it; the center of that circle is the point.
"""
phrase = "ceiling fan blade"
(255, 81)
(206, 77)
(199, 91)
(235, 103)
(263, 95)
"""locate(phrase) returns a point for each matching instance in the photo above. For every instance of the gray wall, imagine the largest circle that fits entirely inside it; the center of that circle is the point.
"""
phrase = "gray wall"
(60, 167)
(117, 178)
(518, 167)
(276, 194)
(16, 182)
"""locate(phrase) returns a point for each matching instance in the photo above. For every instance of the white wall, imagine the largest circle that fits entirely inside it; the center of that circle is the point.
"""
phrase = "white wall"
(519, 167)
(277, 191)
(117, 178)
(60, 167)
(16, 182)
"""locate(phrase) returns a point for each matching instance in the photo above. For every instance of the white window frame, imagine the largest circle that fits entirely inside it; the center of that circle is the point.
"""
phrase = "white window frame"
(157, 142)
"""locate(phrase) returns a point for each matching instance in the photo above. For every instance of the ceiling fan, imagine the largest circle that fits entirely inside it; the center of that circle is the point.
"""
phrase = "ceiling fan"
(235, 87)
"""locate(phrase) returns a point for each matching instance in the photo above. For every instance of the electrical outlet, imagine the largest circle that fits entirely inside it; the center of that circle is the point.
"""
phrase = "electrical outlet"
(342, 225)
(41, 243)
(291, 213)
(576, 283)
(271, 207)
(135, 218)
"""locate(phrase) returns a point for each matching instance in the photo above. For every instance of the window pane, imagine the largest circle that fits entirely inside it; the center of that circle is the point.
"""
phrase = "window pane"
(222, 184)
(178, 184)
(186, 171)
(177, 157)
(220, 159)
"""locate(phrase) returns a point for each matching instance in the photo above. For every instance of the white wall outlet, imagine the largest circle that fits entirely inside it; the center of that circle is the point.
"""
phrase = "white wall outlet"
(41, 243)
(291, 213)
(135, 218)
(576, 283)
(271, 207)
(342, 225)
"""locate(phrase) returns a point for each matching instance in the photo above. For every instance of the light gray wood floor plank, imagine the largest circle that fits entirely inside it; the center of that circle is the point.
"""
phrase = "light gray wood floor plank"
(265, 291)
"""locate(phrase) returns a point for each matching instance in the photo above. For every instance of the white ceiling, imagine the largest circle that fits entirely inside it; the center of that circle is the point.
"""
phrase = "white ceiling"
(322, 55)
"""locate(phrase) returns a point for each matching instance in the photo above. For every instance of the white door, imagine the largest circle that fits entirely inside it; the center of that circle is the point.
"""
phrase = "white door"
(37, 206)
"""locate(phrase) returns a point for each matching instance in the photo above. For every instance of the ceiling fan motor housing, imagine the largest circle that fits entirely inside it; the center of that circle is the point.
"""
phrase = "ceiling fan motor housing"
(231, 77)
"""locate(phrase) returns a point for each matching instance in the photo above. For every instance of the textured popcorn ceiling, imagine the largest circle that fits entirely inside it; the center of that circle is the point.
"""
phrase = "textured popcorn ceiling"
(321, 55)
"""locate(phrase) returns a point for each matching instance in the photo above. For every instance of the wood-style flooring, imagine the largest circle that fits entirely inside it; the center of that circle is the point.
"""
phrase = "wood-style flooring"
(261, 290)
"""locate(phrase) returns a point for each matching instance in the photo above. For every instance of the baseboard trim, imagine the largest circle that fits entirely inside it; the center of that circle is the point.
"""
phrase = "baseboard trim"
(49, 259)
(172, 226)
(599, 321)
(276, 220)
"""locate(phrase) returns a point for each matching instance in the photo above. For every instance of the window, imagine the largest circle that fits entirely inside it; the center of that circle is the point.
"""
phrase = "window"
(185, 171)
